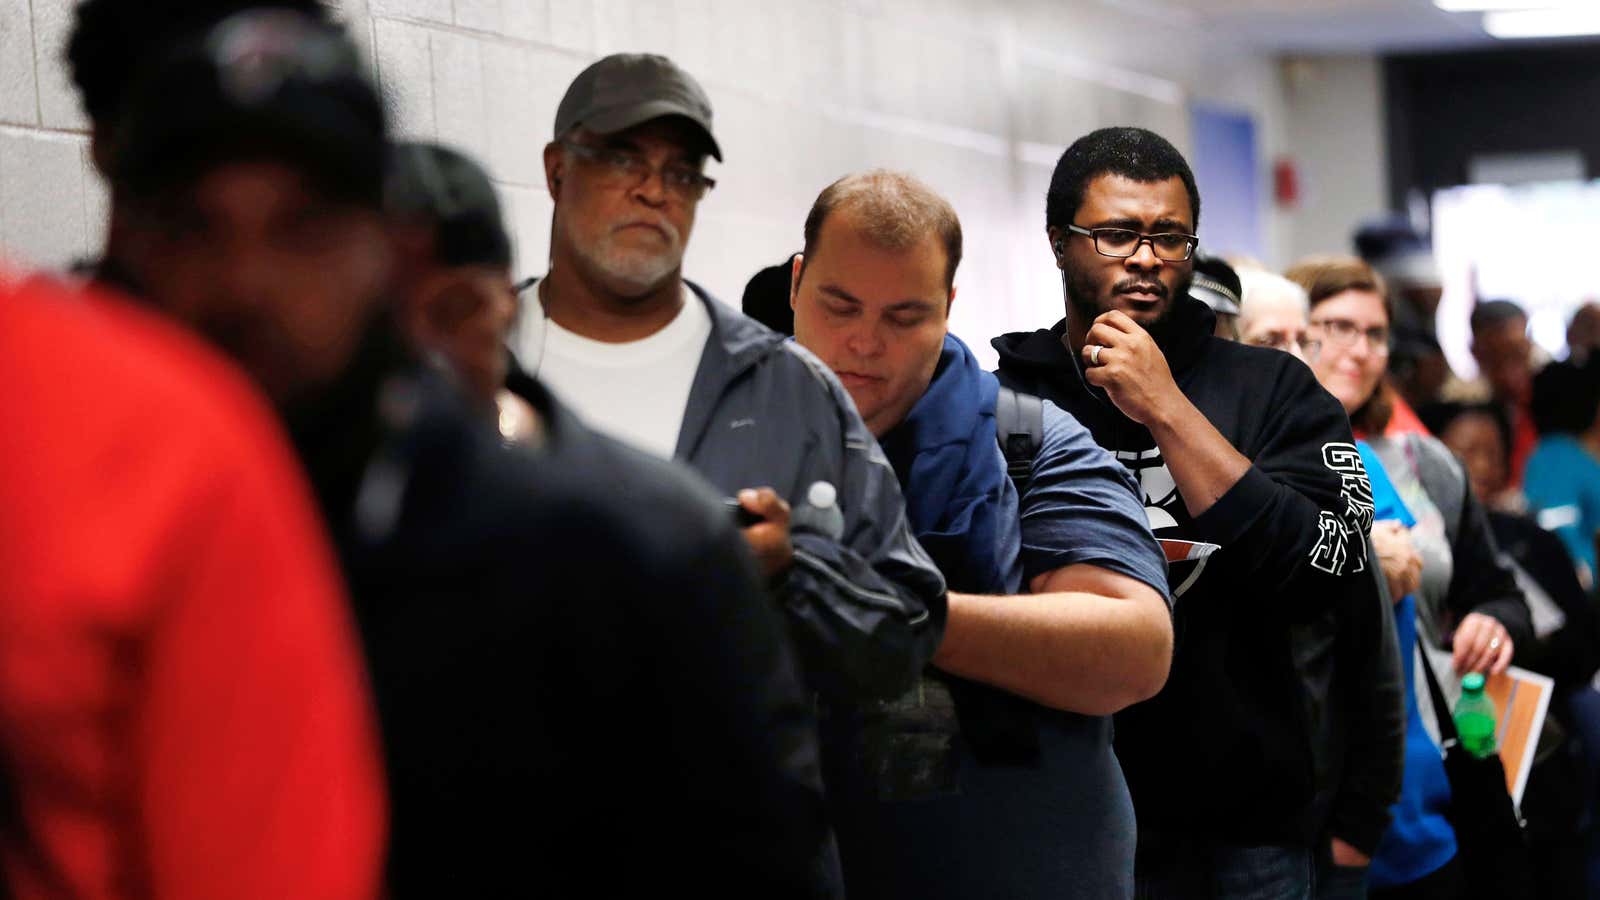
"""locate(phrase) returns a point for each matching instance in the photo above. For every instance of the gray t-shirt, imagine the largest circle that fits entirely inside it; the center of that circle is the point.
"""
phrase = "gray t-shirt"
(1062, 826)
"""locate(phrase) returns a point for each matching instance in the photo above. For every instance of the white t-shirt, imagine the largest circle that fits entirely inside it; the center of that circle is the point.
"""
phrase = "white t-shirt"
(635, 391)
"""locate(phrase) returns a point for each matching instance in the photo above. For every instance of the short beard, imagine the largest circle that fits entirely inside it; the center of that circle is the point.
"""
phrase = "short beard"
(1082, 304)
(632, 276)
(1080, 297)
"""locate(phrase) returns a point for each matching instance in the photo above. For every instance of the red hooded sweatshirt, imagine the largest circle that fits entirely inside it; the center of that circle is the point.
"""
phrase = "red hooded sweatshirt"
(183, 712)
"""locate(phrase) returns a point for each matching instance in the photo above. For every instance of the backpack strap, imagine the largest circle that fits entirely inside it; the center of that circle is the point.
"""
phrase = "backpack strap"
(1019, 428)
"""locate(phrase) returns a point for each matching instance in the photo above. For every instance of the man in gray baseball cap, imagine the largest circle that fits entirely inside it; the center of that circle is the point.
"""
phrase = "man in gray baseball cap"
(629, 89)
(616, 332)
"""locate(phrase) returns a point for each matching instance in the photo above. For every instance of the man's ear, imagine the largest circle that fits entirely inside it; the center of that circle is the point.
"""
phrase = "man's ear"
(555, 164)
(1058, 247)
(796, 266)
(951, 302)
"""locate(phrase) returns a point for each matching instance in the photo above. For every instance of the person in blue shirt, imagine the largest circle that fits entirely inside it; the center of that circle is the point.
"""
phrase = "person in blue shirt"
(1058, 601)
(1420, 843)
(1562, 480)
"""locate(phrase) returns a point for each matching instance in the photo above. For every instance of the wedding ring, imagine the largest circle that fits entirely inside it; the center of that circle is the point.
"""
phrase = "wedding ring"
(1094, 354)
(1494, 644)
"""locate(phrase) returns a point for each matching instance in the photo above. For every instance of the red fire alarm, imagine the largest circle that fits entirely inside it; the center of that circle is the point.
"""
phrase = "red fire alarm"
(1285, 183)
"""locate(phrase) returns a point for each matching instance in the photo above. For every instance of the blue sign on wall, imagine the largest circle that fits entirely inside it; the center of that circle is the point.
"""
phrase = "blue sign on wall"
(1230, 178)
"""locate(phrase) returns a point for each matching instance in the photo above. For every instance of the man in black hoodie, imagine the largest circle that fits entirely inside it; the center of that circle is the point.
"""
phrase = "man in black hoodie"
(1252, 480)
(572, 659)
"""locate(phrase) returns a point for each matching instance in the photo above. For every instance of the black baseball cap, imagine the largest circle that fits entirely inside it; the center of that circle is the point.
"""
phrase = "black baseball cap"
(269, 84)
(625, 89)
(454, 197)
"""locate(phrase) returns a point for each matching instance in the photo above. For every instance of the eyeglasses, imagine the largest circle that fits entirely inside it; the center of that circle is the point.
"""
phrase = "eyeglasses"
(619, 168)
(1278, 340)
(1121, 243)
(1344, 333)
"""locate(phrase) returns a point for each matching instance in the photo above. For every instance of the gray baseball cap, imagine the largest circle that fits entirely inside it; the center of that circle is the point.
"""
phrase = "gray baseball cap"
(625, 89)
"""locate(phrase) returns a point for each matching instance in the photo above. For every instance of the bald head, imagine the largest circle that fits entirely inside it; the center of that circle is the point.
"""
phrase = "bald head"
(892, 211)
(872, 292)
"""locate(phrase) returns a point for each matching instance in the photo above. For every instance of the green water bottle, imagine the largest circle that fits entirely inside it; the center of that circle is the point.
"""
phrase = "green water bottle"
(1474, 715)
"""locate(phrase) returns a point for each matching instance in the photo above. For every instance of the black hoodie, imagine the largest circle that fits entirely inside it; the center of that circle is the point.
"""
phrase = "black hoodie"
(1241, 744)
(572, 657)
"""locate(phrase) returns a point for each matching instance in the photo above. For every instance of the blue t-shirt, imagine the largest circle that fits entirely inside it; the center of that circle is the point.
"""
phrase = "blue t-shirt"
(1063, 827)
(1420, 839)
(1562, 483)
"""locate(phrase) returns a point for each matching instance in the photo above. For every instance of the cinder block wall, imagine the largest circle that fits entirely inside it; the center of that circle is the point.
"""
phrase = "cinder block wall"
(977, 97)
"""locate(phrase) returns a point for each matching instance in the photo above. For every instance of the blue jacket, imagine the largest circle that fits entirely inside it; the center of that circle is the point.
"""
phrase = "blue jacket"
(964, 508)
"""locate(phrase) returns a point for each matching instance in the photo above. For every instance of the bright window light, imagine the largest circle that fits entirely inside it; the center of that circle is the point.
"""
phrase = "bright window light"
(1490, 5)
(1542, 23)
(1477, 241)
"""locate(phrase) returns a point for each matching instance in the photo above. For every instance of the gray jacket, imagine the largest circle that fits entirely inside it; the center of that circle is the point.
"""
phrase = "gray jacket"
(866, 610)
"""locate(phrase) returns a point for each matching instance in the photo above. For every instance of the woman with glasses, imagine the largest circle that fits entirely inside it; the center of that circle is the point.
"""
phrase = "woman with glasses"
(1463, 598)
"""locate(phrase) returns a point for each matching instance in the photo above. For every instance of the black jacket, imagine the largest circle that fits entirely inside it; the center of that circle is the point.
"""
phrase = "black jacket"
(1370, 719)
(582, 688)
(1244, 743)
(1571, 654)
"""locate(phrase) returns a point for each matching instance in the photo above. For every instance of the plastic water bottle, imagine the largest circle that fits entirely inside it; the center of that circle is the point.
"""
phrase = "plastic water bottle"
(819, 513)
(1474, 716)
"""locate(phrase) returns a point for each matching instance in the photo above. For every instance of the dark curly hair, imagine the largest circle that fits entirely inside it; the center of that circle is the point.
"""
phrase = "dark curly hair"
(1135, 153)
(111, 38)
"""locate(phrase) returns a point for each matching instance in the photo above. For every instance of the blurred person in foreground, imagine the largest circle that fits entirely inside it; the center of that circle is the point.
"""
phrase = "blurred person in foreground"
(566, 627)
(1249, 472)
(1061, 617)
(183, 711)
(455, 262)
(1455, 591)
(105, 48)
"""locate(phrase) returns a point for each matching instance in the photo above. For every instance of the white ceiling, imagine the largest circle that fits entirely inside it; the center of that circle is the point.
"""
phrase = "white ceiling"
(1322, 26)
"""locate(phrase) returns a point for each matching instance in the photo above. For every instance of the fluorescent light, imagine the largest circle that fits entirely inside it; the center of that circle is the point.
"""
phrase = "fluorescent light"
(1541, 23)
(1490, 5)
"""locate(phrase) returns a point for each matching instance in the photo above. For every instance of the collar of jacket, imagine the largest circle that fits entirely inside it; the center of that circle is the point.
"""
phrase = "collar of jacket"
(736, 345)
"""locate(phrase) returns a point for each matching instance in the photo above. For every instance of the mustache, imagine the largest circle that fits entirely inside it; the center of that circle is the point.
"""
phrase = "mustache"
(1131, 285)
(666, 227)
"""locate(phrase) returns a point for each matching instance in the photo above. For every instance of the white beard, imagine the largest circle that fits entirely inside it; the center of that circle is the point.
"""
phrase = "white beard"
(632, 271)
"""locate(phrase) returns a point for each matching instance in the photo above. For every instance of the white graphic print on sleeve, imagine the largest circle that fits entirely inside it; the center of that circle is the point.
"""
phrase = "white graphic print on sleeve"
(1168, 518)
(1342, 538)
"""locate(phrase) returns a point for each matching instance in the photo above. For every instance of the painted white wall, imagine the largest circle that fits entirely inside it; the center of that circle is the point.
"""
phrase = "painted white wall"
(977, 97)
(1334, 120)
